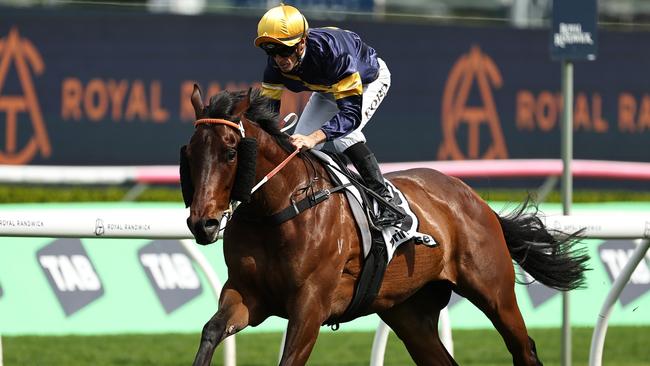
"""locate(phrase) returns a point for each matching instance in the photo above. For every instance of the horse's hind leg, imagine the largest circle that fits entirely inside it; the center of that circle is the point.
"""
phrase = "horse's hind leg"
(231, 317)
(501, 308)
(415, 322)
(487, 279)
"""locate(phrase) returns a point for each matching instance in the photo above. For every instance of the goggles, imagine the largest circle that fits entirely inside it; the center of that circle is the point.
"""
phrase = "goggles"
(273, 49)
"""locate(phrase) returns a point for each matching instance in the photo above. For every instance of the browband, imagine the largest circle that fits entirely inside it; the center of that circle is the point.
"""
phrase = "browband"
(220, 121)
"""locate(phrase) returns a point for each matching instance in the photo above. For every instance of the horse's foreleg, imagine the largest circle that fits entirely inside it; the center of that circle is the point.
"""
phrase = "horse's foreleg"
(307, 313)
(231, 317)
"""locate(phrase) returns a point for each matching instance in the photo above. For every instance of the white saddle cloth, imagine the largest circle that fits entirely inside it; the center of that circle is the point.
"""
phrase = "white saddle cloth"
(393, 236)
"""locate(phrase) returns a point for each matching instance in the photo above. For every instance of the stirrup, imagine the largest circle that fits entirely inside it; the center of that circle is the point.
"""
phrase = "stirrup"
(387, 217)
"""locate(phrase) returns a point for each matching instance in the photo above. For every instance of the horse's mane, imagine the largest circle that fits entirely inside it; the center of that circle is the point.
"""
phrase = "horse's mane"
(260, 112)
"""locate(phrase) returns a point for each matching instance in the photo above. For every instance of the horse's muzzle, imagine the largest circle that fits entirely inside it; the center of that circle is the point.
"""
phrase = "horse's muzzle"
(205, 231)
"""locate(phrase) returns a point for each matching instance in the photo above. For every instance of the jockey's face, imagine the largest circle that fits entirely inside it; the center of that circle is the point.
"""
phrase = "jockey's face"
(286, 63)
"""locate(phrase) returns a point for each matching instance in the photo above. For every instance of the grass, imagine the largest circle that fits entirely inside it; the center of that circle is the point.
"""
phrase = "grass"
(161, 193)
(625, 346)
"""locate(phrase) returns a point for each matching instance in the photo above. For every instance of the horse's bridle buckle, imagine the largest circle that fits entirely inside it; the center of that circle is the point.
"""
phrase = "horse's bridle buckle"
(293, 204)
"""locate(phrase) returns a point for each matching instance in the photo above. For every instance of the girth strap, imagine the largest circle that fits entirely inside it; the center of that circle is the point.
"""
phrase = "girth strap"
(369, 283)
(304, 204)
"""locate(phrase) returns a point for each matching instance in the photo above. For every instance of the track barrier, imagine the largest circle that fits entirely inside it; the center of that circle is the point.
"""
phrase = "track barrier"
(170, 223)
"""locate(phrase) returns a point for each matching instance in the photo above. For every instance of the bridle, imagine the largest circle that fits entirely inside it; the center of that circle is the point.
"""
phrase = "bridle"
(240, 127)
(221, 121)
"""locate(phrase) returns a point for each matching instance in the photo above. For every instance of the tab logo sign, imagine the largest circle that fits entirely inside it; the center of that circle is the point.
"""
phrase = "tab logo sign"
(454, 299)
(71, 274)
(537, 292)
(170, 272)
(615, 254)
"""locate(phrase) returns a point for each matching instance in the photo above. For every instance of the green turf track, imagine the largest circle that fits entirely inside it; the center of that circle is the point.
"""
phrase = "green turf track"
(625, 346)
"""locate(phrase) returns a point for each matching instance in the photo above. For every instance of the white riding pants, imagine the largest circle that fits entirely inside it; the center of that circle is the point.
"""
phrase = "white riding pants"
(321, 107)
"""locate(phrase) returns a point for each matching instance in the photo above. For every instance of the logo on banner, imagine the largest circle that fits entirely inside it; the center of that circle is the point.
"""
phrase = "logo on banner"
(454, 299)
(19, 54)
(70, 273)
(170, 272)
(570, 34)
(615, 254)
(537, 292)
(468, 108)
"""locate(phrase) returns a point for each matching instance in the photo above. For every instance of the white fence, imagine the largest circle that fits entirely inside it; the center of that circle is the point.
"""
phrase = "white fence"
(170, 224)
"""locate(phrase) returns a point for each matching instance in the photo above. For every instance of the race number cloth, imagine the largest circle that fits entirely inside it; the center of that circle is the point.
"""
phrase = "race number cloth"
(393, 236)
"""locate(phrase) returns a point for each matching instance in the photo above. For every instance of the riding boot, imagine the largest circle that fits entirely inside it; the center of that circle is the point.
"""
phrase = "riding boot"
(366, 164)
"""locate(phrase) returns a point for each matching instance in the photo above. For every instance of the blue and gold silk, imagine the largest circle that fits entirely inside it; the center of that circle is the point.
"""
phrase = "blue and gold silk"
(337, 62)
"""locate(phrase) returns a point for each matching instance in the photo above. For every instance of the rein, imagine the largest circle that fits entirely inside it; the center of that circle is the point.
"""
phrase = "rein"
(275, 171)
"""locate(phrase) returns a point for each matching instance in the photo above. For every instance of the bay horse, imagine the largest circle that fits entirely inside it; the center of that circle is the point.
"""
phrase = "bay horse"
(305, 269)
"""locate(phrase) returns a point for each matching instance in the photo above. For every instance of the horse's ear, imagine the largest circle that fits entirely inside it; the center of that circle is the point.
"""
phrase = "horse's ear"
(197, 101)
(243, 105)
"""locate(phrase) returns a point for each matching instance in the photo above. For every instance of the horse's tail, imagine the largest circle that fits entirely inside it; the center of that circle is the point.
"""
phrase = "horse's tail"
(547, 255)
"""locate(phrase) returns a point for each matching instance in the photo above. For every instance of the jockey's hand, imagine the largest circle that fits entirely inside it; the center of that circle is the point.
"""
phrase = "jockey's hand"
(307, 142)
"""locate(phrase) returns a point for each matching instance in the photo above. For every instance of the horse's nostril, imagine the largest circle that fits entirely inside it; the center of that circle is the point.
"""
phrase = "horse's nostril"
(211, 223)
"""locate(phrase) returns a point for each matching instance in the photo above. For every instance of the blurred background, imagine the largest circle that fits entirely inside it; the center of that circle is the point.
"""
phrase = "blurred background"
(94, 106)
(518, 13)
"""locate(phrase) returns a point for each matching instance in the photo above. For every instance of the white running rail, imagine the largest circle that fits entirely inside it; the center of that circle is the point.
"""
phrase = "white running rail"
(154, 223)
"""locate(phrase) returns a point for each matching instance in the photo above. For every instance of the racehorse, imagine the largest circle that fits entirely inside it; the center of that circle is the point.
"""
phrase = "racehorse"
(305, 269)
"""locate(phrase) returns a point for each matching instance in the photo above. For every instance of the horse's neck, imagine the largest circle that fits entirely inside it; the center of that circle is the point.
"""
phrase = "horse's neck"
(273, 195)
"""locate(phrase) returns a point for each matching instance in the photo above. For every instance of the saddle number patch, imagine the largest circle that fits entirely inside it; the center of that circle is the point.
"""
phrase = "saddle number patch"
(425, 240)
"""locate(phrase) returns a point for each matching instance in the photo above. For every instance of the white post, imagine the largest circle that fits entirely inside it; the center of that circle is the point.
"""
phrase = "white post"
(445, 331)
(282, 342)
(567, 193)
(598, 338)
(379, 345)
(378, 352)
(0, 350)
(229, 352)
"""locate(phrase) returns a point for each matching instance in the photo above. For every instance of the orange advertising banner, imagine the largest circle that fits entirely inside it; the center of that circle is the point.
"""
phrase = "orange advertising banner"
(117, 93)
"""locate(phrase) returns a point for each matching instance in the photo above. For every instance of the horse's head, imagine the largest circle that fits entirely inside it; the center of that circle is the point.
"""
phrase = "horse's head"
(218, 165)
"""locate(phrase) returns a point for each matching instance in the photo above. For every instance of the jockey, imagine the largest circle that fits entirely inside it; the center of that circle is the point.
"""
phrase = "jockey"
(348, 81)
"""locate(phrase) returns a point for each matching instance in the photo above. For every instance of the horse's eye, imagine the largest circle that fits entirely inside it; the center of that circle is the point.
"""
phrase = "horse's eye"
(231, 154)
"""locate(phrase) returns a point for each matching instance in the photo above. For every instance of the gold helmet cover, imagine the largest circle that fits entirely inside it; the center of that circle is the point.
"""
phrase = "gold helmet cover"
(283, 24)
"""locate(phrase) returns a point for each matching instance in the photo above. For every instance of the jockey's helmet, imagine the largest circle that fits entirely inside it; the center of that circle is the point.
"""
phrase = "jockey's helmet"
(282, 24)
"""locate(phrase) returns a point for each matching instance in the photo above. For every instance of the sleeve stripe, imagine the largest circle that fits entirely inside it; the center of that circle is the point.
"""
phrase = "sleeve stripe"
(348, 86)
(272, 86)
(273, 91)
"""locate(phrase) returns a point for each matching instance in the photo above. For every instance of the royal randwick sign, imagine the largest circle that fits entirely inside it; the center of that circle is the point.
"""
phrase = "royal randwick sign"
(574, 32)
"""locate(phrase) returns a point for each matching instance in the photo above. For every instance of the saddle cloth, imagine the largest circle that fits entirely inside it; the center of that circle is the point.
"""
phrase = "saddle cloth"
(393, 236)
